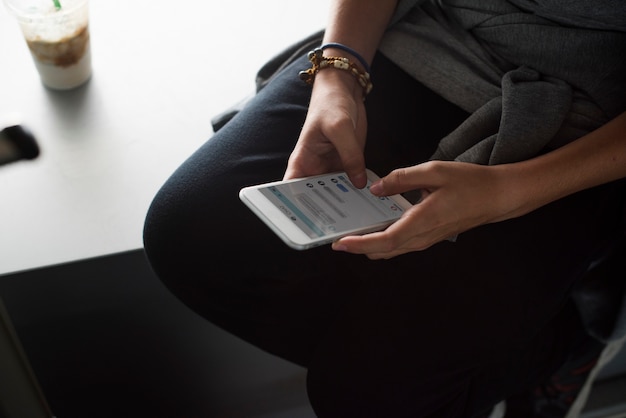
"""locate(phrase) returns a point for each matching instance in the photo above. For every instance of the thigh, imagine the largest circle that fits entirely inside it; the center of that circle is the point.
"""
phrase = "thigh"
(217, 257)
(354, 376)
(209, 249)
(449, 331)
(493, 290)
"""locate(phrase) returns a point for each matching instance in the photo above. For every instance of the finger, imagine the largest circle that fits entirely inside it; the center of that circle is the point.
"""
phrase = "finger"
(352, 159)
(413, 232)
(401, 180)
(366, 245)
(308, 160)
(349, 149)
(361, 244)
(382, 242)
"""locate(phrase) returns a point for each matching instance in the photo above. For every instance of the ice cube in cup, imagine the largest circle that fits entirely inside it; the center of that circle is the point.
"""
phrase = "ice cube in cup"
(58, 39)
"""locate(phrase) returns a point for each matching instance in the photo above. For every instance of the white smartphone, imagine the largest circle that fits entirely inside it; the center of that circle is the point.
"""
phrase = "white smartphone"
(318, 210)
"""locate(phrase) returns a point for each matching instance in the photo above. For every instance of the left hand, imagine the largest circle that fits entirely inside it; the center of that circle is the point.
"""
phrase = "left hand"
(455, 197)
(333, 135)
(460, 196)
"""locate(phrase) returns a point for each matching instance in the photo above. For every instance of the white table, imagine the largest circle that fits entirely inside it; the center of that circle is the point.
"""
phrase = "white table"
(162, 70)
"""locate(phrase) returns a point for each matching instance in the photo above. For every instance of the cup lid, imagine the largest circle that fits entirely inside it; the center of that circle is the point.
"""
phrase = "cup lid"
(33, 9)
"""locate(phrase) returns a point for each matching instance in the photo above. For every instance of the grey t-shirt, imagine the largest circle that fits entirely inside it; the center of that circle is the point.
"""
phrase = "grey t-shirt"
(534, 74)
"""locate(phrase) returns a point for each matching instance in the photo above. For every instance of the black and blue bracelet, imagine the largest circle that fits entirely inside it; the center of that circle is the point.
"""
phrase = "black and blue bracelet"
(349, 51)
(320, 62)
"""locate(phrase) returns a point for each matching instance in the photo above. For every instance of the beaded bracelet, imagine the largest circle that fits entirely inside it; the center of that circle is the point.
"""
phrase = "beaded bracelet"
(321, 62)
(349, 51)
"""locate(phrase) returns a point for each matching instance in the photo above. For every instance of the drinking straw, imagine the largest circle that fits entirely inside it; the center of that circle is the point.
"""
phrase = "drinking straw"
(57, 4)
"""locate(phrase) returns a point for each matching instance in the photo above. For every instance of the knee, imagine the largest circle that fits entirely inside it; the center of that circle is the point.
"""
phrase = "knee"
(160, 239)
(169, 249)
(190, 244)
(174, 234)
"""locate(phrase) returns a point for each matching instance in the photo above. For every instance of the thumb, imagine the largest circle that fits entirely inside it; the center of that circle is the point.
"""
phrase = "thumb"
(403, 180)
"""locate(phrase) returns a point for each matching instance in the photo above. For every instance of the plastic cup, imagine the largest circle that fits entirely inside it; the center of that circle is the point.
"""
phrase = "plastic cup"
(58, 39)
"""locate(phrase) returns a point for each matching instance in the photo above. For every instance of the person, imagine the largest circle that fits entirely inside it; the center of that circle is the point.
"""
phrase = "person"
(509, 117)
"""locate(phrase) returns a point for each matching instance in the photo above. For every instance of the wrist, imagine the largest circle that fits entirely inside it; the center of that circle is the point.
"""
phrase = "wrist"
(340, 82)
(523, 187)
(325, 64)
(337, 49)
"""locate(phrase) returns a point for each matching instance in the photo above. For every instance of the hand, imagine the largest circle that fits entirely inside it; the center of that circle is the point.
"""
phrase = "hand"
(333, 135)
(455, 197)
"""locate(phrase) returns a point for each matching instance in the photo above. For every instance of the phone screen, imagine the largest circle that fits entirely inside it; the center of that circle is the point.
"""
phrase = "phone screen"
(329, 204)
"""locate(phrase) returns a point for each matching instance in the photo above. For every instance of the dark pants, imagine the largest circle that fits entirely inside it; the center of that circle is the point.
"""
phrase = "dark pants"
(445, 332)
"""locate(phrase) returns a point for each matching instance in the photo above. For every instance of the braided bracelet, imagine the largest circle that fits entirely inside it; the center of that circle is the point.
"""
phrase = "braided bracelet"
(348, 50)
(321, 62)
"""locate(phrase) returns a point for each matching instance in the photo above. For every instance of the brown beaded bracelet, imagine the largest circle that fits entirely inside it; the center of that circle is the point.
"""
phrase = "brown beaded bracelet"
(321, 62)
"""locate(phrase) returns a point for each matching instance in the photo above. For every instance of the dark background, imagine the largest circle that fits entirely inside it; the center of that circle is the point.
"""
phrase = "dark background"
(106, 339)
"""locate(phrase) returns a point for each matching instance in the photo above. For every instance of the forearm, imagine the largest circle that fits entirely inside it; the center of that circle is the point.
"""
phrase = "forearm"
(594, 159)
(358, 24)
(333, 135)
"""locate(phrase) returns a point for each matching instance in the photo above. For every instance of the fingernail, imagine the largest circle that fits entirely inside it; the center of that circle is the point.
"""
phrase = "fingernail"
(339, 247)
(360, 179)
(376, 187)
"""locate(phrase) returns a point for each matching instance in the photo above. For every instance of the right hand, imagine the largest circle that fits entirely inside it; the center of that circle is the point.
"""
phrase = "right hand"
(333, 134)
(456, 197)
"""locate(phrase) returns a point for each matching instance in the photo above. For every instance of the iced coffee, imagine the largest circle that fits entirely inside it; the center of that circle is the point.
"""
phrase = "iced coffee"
(57, 34)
